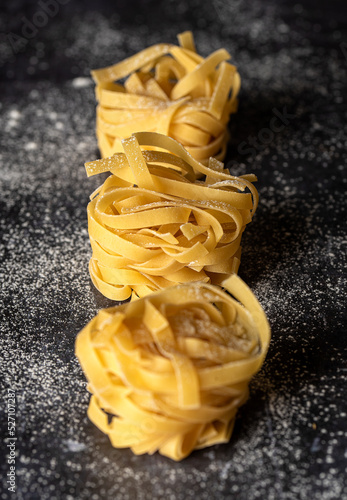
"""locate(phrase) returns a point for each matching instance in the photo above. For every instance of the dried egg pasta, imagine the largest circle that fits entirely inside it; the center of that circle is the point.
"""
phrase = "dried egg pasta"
(153, 225)
(170, 90)
(168, 372)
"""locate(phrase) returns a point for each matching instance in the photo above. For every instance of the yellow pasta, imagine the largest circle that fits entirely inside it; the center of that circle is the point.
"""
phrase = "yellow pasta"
(170, 90)
(168, 372)
(153, 225)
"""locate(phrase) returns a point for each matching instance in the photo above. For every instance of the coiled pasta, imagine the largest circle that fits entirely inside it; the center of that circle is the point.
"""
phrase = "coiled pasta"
(169, 371)
(153, 225)
(170, 90)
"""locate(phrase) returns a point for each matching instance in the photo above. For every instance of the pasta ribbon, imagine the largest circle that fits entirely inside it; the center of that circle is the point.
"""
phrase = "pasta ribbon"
(171, 90)
(168, 372)
(153, 225)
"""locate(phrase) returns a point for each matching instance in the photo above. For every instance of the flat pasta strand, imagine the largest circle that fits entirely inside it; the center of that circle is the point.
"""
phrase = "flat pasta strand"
(152, 225)
(170, 90)
(171, 369)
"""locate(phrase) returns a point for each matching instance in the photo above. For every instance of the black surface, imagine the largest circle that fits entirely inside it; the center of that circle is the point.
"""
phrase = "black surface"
(290, 440)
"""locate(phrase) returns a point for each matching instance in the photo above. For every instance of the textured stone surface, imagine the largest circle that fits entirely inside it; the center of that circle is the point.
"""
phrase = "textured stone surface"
(290, 440)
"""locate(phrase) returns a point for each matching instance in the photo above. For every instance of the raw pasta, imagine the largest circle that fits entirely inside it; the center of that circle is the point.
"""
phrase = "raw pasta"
(153, 225)
(168, 372)
(171, 90)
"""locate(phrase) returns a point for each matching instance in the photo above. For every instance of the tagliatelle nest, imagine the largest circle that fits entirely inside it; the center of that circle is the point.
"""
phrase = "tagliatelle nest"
(153, 225)
(171, 370)
(170, 90)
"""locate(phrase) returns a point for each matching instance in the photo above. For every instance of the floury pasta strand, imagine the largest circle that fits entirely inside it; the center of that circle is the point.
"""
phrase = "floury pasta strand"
(171, 90)
(168, 372)
(152, 225)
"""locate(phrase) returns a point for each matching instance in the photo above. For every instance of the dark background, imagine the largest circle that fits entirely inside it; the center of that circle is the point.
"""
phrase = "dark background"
(290, 439)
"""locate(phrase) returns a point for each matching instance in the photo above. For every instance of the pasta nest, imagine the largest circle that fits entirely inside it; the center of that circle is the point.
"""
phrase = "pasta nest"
(169, 371)
(171, 90)
(153, 225)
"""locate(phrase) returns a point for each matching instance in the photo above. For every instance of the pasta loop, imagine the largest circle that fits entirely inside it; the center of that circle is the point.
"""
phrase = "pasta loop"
(168, 372)
(171, 90)
(153, 225)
